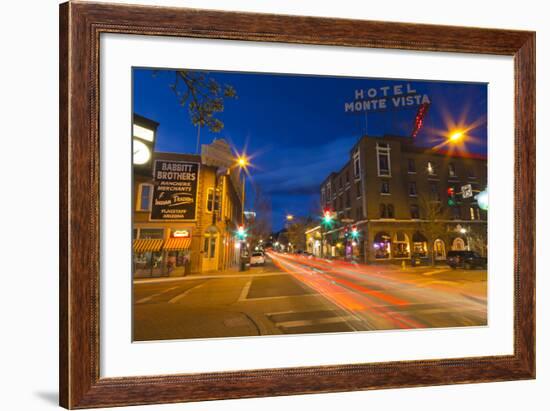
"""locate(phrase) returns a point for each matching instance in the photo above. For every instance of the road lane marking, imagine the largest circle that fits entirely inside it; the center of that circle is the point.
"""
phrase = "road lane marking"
(207, 277)
(149, 298)
(280, 297)
(185, 293)
(432, 272)
(245, 290)
(318, 321)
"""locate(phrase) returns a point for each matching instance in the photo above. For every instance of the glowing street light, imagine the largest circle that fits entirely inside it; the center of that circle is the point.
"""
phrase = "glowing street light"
(289, 217)
(242, 161)
(456, 135)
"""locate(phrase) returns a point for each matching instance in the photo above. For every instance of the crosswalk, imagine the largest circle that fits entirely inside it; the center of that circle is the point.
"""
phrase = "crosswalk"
(293, 322)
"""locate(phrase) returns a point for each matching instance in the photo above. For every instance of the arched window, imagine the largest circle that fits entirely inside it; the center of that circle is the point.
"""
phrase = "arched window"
(382, 245)
(401, 247)
(439, 249)
(383, 211)
(458, 244)
(420, 244)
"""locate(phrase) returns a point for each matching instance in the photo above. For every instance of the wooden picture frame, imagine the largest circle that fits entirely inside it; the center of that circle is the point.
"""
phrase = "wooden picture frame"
(80, 27)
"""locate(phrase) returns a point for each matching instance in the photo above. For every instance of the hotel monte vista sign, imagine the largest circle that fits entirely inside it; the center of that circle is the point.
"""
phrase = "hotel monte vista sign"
(392, 97)
(175, 190)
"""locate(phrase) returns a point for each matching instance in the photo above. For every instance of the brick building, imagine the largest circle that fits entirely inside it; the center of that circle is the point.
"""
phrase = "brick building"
(402, 200)
(202, 242)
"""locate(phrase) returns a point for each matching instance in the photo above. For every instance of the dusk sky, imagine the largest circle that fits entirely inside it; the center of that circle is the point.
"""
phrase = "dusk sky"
(295, 128)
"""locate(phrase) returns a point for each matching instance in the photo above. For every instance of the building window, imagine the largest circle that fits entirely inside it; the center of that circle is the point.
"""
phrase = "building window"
(356, 165)
(382, 245)
(383, 154)
(412, 188)
(385, 187)
(471, 173)
(358, 213)
(358, 189)
(415, 212)
(439, 250)
(347, 176)
(390, 209)
(210, 245)
(328, 192)
(452, 170)
(401, 248)
(474, 213)
(431, 168)
(383, 211)
(213, 200)
(434, 191)
(210, 200)
(411, 166)
(348, 199)
(323, 201)
(145, 197)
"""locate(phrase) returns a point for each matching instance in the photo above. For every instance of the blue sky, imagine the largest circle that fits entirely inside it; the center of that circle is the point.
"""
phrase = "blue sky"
(295, 127)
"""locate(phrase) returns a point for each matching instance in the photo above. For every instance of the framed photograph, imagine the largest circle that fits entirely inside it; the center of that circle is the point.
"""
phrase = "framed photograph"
(258, 205)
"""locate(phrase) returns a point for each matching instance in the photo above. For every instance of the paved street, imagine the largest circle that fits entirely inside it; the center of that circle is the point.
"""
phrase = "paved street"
(294, 294)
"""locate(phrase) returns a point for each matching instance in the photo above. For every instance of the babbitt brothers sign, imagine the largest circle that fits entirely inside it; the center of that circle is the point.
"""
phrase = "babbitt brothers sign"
(386, 98)
(175, 192)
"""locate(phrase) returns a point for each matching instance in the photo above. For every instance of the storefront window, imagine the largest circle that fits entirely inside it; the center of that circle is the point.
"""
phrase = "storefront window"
(439, 249)
(420, 249)
(148, 264)
(419, 245)
(382, 246)
(401, 246)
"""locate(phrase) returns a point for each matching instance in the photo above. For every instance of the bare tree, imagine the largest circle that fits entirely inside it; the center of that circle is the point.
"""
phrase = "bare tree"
(478, 241)
(204, 98)
(261, 228)
(433, 221)
(297, 233)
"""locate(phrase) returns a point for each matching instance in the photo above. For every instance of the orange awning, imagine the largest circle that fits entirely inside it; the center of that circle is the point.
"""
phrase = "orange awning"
(173, 244)
(142, 245)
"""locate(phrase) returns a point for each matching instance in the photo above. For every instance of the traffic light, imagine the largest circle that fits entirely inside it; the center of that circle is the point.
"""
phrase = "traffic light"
(327, 216)
(241, 232)
(354, 232)
(451, 197)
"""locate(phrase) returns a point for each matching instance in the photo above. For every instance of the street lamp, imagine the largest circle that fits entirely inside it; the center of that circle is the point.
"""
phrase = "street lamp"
(456, 135)
(242, 162)
(289, 217)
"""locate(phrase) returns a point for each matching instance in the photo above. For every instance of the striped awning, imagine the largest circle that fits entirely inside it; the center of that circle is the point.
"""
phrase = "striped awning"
(142, 245)
(173, 244)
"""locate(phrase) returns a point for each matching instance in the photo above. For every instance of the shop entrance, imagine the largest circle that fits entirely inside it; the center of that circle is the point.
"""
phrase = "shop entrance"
(210, 249)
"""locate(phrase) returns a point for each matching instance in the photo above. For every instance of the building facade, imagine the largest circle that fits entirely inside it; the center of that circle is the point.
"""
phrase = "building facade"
(401, 201)
(204, 240)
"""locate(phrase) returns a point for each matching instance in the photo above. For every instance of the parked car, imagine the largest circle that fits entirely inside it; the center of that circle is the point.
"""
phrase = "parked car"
(257, 258)
(466, 259)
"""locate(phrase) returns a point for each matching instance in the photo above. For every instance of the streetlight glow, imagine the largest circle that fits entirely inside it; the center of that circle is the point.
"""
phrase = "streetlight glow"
(456, 135)
(242, 161)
